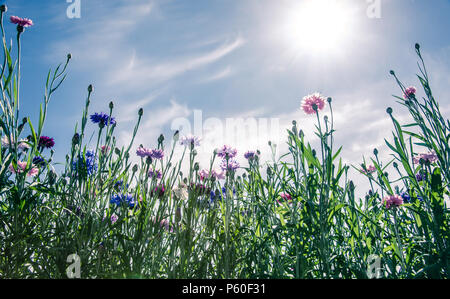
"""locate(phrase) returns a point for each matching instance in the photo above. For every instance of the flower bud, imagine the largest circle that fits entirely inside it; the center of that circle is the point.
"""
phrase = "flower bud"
(111, 105)
(135, 168)
(417, 47)
(329, 100)
(69, 56)
(90, 88)
(389, 110)
(161, 139)
(176, 136)
(76, 139)
(352, 186)
(3, 8)
(375, 152)
(141, 112)
(392, 73)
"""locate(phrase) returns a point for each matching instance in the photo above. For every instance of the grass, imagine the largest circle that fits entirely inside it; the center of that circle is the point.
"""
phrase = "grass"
(293, 217)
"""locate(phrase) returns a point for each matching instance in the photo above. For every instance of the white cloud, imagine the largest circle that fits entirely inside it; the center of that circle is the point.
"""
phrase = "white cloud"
(138, 72)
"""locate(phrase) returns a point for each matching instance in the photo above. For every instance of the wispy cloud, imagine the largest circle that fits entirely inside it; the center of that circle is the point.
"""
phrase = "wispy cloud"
(143, 71)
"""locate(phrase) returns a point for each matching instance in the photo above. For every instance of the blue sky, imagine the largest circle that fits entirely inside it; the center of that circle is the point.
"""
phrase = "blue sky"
(228, 59)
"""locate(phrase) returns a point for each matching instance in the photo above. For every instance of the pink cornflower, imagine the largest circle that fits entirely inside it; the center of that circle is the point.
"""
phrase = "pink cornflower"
(230, 165)
(21, 166)
(313, 103)
(430, 157)
(285, 196)
(218, 175)
(114, 218)
(410, 91)
(205, 174)
(227, 152)
(369, 169)
(104, 149)
(392, 200)
(24, 22)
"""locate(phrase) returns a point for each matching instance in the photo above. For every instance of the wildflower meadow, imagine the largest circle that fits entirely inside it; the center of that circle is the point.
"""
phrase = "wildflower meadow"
(297, 216)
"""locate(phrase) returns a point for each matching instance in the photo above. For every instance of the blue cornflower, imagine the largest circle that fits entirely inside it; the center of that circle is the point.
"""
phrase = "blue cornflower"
(39, 161)
(406, 197)
(119, 186)
(119, 199)
(85, 165)
(102, 119)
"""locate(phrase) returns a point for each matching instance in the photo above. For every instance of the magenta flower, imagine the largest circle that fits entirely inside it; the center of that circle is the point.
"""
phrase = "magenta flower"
(24, 22)
(409, 92)
(392, 200)
(427, 157)
(285, 196)
(227, 152)
(46, 142)
(313, 103)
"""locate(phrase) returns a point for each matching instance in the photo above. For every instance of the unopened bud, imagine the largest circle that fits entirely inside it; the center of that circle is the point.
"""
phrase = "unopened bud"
(76, 139)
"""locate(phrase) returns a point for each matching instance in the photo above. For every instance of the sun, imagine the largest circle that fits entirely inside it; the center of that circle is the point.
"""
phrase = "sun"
(319, 26)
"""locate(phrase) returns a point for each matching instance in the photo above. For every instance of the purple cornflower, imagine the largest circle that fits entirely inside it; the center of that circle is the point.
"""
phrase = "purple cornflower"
(157, 154)
(250, 155)
(102, 119)
(230, 165)
(420, 177)
(430, 157)
(154, 173)
(227, 152)
(46, 142)
(24, 22)
(190, 140)
(144, 152)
